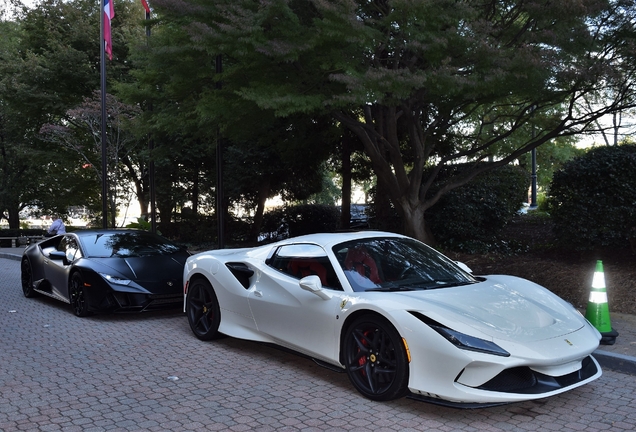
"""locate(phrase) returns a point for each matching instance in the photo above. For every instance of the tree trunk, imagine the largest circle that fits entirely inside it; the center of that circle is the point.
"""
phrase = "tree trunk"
(113, 212)
(263, 194)
(195, 193)
(14, 217)
(345, 213)
(382, 209)
(413, 223)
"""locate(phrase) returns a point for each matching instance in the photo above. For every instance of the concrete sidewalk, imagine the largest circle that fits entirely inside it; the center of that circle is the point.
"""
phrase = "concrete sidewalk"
(620, 357)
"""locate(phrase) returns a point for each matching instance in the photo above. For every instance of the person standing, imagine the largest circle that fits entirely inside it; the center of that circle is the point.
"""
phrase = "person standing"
(57, 227)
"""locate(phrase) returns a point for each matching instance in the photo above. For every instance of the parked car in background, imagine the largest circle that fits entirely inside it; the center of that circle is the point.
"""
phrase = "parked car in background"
(359, 217)
(397, 316)
(106, 271)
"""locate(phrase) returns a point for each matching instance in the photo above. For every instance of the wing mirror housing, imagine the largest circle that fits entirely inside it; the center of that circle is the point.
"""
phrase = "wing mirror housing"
(464, 267)
(313, 285)
(58, 256)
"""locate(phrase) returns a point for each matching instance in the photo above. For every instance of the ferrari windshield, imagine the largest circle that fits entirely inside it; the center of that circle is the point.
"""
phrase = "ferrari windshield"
(397, 264)
(126, 244)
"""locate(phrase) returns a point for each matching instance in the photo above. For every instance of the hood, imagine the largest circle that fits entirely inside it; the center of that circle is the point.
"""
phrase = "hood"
(160, 274)
(501, 307)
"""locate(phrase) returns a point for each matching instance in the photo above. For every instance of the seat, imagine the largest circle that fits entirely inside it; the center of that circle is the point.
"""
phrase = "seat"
(301, 267)
(359, 259)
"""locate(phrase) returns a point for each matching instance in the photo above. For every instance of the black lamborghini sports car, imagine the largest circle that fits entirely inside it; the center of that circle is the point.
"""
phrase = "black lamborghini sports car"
(106, 271)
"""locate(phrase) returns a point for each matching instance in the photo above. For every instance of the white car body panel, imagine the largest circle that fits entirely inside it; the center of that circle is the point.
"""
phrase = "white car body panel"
(538, 329)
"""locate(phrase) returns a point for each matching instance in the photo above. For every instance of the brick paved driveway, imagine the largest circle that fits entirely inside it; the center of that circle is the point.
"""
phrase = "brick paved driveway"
(147, 372)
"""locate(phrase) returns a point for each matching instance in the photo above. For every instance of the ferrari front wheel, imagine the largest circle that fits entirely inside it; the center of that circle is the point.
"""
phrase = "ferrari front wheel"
(375, 359)
(202, 310)
(77, 295)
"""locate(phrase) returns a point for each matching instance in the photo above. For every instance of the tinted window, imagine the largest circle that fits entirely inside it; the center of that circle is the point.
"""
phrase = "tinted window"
(68, 245)
(387, 264)
(300, 260)
(126, 244)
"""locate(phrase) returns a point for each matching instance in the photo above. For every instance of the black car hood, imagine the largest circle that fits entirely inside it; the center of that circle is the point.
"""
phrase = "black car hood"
(161, 274)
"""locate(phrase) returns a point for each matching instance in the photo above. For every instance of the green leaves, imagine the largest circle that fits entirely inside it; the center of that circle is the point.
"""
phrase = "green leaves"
(593, 198)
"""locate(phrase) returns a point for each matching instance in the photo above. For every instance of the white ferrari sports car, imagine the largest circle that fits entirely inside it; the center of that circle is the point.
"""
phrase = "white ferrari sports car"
(397, 316)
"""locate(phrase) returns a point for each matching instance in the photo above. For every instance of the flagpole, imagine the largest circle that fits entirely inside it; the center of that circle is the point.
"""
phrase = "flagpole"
(102, 60)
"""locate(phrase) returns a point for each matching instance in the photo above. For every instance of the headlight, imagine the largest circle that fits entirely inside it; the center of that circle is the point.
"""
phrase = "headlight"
(461, 340)
(470, 343)
(115, 280)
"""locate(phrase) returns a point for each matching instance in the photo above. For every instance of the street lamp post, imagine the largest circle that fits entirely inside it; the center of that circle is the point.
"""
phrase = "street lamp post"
(533, 190)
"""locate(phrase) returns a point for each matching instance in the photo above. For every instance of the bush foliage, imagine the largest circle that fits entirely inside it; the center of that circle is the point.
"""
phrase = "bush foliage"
(592, 199)
(470, 217)
(298, 220)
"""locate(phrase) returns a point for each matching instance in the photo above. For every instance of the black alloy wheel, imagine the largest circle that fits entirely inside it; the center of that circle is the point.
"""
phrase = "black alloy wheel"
(375, 359)
(78, 296)
(202, 310)
(26, 275)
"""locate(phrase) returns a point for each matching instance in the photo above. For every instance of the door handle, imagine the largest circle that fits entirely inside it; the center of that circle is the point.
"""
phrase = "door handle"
(258, 294)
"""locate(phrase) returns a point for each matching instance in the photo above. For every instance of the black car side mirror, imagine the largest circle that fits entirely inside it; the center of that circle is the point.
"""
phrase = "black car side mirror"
(58, 256)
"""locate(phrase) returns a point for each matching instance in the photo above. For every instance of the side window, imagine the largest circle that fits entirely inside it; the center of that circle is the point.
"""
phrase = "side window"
(300, 260)
(69, 246)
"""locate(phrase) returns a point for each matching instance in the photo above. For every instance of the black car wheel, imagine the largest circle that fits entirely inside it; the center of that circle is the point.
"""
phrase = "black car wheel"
(375, 359)
(77, 295)
(202, 310)
(27, 279)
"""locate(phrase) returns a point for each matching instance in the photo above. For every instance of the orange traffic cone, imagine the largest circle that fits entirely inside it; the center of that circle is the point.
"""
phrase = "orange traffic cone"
(597, 312)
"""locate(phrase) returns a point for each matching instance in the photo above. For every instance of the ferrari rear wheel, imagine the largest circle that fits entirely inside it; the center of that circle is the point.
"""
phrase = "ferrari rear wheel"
(202, 310)
(77, 295)
(27, 279)
(375, 359)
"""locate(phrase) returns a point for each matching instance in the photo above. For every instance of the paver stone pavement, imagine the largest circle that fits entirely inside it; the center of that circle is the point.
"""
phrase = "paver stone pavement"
(146, 372)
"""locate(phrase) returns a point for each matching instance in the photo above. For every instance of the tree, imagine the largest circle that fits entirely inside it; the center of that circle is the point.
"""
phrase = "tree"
(184, 97)
(262, 161)
(80, 133)
(18, 175)
(427, 83)
(51, 63)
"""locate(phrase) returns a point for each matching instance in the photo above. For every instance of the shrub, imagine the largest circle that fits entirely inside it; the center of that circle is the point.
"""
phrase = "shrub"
(200, 229)
(299, 220)
(471, 216)
(592, 199)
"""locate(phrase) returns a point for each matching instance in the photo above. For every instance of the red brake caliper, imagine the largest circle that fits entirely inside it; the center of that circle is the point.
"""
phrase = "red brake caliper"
(363, 359)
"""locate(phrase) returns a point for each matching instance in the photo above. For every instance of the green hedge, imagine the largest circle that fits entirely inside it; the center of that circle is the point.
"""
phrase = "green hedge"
(471, 217)
(292, 221)
(199, 229)
(592, 199)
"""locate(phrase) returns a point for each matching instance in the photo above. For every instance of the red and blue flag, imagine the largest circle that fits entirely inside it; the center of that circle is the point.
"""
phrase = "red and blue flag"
(109, 14)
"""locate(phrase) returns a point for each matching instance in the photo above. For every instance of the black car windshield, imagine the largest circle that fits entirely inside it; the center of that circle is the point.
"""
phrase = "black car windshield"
(126, 244)
(397, 264)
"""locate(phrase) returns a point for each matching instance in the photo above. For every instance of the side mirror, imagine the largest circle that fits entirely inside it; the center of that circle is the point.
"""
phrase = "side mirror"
(57, 255)
(464, 267)
(313, 285)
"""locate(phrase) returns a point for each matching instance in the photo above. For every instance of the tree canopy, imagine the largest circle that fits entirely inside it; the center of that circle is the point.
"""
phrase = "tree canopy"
(287, 84)
(426, 83)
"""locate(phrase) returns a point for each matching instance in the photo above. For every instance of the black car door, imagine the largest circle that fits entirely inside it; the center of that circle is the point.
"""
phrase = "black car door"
(58, 269)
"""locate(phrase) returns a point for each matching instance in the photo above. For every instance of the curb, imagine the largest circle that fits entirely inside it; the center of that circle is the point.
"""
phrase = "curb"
(616, 362)
(10, 256)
